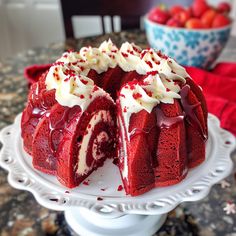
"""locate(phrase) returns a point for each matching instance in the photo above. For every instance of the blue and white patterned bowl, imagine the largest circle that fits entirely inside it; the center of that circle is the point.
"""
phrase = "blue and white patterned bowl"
(190, 47)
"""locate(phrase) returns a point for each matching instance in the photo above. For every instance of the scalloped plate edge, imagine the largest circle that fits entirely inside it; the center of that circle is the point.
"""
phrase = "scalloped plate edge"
(198, 191)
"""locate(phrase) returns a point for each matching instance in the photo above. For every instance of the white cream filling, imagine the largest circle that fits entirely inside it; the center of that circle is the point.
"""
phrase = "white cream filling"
(101, 115)
(124, 171)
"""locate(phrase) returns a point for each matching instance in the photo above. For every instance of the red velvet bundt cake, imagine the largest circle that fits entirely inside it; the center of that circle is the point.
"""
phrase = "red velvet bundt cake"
(137, 106)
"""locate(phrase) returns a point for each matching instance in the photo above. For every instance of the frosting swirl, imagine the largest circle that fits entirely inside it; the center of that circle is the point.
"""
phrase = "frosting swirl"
(68, 76)
(136, 96)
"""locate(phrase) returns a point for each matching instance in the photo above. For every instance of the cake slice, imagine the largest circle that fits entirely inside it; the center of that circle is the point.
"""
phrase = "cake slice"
(195, 126)
(40, 101)
(171, 150)
(136, 152)
(48, 134)
(87, 141)
(199, 95)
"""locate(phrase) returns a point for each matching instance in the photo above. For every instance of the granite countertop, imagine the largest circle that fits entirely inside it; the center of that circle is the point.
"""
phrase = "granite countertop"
(20, 214)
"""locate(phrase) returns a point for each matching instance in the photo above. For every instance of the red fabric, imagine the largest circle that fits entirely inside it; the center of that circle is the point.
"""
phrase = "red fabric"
(33, 72)
(219, 87)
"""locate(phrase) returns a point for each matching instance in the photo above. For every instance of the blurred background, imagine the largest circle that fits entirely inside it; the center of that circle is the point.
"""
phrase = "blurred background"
(26, 24)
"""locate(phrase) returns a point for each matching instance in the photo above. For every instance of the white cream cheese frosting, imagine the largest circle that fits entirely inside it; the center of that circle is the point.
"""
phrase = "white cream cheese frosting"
(135, 97)
(69, 76)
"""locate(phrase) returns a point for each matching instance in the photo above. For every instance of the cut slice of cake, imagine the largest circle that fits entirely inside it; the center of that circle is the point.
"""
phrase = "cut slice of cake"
(48, 134)
(87, 142)
(39, 102)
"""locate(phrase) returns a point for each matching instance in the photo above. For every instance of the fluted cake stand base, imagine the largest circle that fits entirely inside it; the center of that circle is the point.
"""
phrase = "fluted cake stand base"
(97, 207)
(84, 222)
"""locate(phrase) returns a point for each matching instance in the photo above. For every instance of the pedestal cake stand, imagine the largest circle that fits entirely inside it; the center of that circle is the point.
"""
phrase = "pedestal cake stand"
(98, 207)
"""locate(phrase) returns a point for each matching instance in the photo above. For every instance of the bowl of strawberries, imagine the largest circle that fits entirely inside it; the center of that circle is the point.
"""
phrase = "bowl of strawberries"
(193, 36)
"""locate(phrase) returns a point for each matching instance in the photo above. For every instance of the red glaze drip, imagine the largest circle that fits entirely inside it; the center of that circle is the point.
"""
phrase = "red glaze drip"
(168, 122)
(162, 122)
(41, 109)
(190, 115)
(137, 131)
(38, 98)
(37, 113)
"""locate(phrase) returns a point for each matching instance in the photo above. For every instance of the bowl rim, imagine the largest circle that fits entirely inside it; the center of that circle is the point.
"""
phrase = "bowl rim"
(229, 26)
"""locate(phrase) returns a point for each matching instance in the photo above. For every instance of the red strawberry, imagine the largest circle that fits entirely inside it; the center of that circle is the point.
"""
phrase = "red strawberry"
(173, 23)
(190, 11)
(158, 15)
(220, 20)
(224, 7)
(199, 7)
(174, 10)
(194, 23)
(182, 16)
(208, 17)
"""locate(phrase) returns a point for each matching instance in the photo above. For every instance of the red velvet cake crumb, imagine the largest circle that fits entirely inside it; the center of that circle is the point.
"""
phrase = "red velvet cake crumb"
(154, 72)
(124, 54)
(137, 95)
(149, 63)
(84, 81)
(120, 188)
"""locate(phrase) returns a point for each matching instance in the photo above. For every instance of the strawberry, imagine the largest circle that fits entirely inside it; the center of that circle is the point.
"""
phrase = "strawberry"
(199, 7)
(224, 7)
(190, 11)
(172, 22)
(176, 9)
(182, 16)
(194, 23)
(208, 17)
(158, 15)
(220, 20)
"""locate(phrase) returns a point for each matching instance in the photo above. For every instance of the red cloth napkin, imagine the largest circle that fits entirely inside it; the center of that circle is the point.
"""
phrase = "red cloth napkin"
(33, 72)
(219, 88)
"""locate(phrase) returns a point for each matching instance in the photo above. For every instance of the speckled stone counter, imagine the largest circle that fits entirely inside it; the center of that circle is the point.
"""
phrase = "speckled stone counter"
(21, 215)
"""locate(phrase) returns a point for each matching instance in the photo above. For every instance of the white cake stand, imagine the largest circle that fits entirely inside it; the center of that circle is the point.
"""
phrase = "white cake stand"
(97, 207)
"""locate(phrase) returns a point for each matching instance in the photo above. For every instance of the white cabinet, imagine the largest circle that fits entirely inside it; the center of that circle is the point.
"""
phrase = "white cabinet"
(45, 22)
(4, 42)
(29, 23)
(16, 23)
